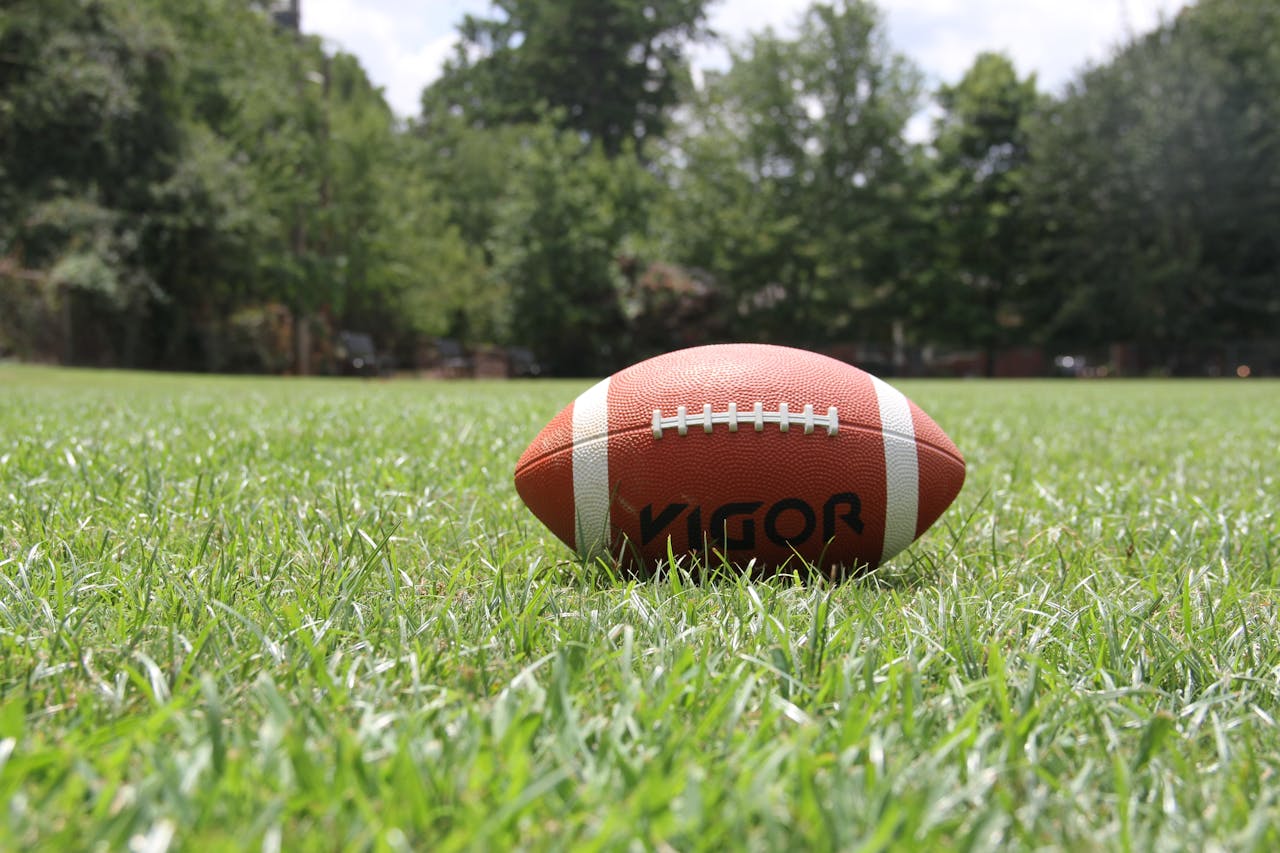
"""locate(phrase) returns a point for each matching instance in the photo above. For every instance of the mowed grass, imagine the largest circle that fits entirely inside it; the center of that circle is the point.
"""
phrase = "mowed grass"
(272, 614)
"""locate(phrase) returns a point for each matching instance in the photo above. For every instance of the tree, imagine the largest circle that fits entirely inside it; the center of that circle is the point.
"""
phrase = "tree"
(87, 135)
(167, 165)
(419, 276)
(796, 158)
(609, 69)
(248, 223)
(1155, 178)
(472, 169)
(556, 247)
(977, 289)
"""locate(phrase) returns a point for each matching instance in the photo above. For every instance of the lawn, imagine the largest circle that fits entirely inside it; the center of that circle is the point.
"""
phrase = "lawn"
(274, 614)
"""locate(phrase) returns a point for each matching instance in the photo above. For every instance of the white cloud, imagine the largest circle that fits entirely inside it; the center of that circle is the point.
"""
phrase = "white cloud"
(735, 19)
(401, 48)
(416, 70)
(1053, 38)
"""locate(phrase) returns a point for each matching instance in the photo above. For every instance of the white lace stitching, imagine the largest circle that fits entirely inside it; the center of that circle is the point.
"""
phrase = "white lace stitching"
(758, 417)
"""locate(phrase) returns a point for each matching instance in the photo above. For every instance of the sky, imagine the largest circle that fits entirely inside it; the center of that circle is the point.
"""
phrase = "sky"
(402, 43)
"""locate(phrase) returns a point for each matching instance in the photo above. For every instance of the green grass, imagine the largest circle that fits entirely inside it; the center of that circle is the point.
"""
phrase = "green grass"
(240, 613)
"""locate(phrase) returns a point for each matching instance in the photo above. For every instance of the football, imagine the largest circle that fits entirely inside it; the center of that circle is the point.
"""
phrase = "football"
(745, 454)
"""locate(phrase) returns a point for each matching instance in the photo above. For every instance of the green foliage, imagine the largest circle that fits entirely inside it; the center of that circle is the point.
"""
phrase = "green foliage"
(82, 86)
(799, 185)
(976, 289)
(610, 69)
(166, 166)
(177, 162)
(1153, 181)
(471, 169)
(556, 246)
(93, 249)
(423, 270)
(238, 614)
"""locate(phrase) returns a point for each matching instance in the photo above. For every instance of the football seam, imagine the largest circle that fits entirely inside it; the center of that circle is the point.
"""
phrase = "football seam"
(648, 428)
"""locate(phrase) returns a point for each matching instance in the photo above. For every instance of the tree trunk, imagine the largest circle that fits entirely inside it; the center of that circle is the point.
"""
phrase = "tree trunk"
(302, 344)
(68, 325)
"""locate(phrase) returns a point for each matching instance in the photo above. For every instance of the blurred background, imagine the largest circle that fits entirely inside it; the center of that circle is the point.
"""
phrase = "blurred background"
(562, 187)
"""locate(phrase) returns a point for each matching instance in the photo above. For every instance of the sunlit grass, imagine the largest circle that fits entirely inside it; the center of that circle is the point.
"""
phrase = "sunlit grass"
(279, 614)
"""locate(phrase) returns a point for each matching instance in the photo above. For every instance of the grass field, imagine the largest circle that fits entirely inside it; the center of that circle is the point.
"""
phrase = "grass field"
(271, 614)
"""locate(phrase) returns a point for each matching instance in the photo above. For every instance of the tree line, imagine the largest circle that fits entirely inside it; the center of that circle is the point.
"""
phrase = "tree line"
(172, 173)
